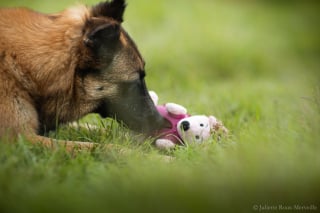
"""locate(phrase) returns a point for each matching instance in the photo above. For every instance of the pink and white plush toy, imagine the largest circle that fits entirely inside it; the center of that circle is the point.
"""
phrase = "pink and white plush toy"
(185, 129)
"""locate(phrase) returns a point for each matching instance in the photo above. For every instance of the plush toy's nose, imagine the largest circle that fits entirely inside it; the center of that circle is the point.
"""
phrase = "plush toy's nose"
(185, 125)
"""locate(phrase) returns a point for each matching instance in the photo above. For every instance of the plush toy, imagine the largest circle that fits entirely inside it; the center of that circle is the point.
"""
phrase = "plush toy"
(184, 127)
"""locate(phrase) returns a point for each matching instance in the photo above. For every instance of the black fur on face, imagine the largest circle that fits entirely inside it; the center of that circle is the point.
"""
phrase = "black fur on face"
(101, 35)
(112, 74)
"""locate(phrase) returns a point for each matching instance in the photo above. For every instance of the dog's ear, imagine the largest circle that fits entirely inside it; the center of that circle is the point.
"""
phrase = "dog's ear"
(98, 35)
(113, 9)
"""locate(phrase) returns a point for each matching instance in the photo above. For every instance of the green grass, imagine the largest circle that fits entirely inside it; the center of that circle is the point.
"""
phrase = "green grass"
(255, 65)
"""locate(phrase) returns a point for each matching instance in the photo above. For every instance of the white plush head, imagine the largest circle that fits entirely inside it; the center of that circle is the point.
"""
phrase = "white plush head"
(196, 129)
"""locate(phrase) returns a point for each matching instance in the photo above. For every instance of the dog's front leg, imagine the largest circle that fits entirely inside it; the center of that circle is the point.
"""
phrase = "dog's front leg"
(70, 146)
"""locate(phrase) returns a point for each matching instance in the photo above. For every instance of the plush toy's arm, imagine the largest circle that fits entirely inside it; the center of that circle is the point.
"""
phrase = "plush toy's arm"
(176, 109)
(172, 108)
(164, 144)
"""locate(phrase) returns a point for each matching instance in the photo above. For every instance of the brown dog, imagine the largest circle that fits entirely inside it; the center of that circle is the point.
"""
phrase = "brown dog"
(57, 68)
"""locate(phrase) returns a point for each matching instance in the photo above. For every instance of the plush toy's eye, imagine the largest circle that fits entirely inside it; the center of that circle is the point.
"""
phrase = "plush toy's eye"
(201, 125)
(197, 137)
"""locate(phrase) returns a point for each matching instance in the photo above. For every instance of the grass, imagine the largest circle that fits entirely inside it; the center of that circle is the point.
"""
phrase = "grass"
(255, 65)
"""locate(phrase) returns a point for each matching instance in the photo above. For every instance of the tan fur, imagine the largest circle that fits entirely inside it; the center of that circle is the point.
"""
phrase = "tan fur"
(42, 71)
(39, 55)
(26, 74)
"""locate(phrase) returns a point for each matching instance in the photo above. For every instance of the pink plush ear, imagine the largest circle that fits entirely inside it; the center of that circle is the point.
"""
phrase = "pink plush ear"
(216, 125)
(213, 122)
(154, 97)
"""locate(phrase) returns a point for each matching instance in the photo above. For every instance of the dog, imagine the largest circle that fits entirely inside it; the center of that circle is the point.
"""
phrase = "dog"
(56, 68)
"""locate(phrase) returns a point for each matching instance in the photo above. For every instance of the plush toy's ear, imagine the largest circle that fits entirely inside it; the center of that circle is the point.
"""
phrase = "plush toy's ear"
(113, 9)
(217, 125)
(213, 122)
(154, 97)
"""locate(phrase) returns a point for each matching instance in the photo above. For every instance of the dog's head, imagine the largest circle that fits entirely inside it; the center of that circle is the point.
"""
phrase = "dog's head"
(113, 71)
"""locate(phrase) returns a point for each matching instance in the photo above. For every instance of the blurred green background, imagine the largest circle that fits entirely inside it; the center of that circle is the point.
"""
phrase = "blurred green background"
(253, 64)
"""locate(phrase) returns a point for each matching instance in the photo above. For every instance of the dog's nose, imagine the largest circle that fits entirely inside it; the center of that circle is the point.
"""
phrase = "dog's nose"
(185, 125)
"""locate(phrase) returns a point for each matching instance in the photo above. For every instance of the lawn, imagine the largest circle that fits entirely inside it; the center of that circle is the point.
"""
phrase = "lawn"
(253, 64)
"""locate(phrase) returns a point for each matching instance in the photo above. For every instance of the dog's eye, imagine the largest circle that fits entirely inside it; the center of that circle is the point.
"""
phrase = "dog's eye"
(100, 88)
(201, 125)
